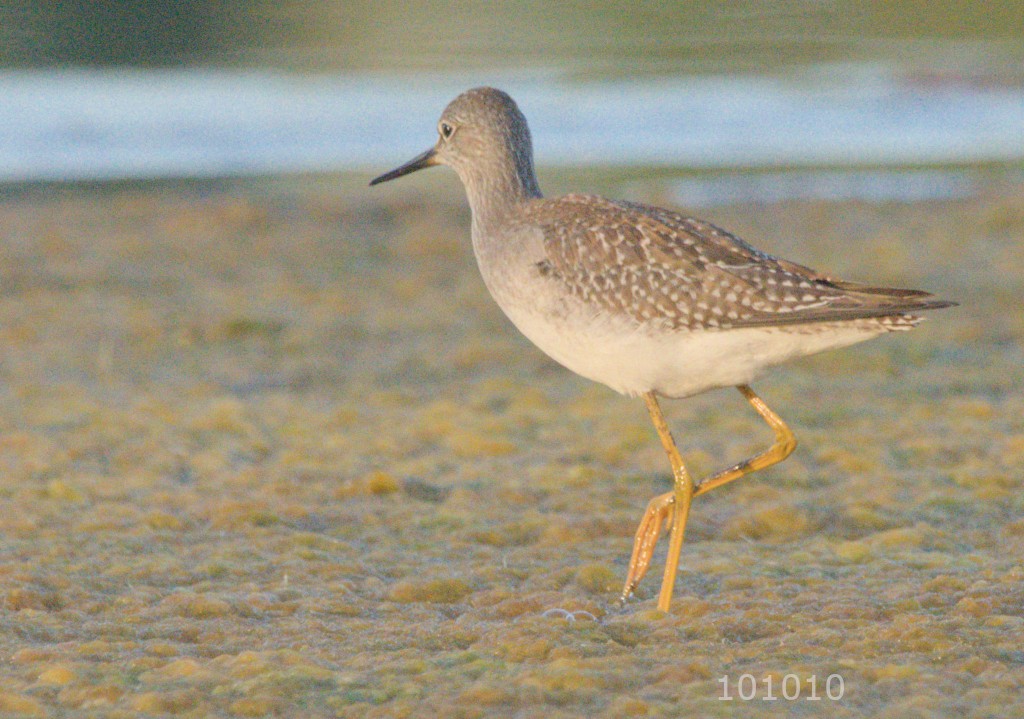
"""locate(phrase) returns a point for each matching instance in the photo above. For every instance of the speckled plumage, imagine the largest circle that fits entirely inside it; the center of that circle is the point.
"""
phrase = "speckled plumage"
(643, 299)
(639, 297)
(672, 272)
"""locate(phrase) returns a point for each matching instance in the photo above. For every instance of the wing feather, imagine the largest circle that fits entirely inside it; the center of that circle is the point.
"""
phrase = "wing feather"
(663, 268)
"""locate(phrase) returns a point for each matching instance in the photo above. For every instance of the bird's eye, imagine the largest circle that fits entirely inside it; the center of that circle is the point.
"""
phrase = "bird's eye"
(446, 130)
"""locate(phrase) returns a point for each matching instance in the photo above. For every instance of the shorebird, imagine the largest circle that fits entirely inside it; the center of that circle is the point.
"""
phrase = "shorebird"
(645, 300)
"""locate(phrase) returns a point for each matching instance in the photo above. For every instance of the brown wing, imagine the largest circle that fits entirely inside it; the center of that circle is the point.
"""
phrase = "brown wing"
(672, 271)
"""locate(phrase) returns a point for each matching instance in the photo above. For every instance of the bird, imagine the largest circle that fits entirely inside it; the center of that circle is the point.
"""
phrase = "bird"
(646, 300)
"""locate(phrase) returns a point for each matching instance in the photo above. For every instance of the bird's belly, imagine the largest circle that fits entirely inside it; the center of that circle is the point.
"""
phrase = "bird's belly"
(634, 359)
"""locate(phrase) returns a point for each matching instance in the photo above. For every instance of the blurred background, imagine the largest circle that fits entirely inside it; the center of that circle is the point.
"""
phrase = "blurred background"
(734, 100)
(267, 448)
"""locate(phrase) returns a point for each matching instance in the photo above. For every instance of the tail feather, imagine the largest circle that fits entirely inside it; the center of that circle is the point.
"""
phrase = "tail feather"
(898, 308)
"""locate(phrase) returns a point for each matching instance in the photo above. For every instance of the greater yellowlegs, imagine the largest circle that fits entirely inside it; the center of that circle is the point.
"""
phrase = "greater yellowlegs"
(643, 299)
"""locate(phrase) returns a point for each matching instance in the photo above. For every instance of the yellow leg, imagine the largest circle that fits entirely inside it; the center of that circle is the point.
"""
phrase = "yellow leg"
(661, 509)
(658, 512)
(783, 446)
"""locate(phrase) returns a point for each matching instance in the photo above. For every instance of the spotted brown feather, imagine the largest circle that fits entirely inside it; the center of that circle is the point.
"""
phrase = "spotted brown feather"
(674, 272)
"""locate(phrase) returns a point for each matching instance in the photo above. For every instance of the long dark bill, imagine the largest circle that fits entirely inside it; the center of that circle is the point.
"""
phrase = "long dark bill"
(416, 163)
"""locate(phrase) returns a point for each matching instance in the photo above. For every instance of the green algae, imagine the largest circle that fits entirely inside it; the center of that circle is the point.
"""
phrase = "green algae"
(268, 452)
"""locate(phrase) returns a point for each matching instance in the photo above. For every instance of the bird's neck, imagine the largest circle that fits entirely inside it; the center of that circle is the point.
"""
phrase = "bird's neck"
(496, 190)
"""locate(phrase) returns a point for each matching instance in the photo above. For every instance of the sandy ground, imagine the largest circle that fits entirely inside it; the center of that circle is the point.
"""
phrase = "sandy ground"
(271, 450)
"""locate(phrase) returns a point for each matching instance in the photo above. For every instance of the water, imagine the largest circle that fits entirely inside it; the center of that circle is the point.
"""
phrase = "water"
(116, 124)
(211, 88)
(880, 185)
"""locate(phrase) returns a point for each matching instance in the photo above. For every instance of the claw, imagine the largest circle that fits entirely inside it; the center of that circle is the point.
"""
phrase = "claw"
(658, 515)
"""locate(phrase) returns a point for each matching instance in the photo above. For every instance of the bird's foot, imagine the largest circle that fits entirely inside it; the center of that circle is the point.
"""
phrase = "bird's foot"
(659, 514)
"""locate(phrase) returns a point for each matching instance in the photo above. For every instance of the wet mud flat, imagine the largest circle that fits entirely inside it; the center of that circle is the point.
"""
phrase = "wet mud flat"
(269, 449)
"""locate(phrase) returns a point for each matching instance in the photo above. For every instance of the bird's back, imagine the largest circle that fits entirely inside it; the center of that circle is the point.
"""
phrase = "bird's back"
(670, 272)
